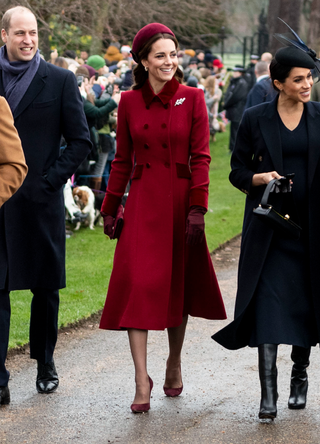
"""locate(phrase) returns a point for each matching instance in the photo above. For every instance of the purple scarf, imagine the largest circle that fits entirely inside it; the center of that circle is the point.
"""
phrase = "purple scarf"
(17, 76)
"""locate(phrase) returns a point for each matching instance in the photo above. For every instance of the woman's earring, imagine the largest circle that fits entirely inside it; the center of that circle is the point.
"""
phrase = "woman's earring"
(146, 68)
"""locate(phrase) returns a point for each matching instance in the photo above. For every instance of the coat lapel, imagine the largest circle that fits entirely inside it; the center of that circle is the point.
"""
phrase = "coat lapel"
(313, 118)
(269, 126)
(38, 82)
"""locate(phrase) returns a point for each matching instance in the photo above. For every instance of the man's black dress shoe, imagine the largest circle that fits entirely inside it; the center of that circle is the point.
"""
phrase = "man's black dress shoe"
(47, 378)
(4, 395)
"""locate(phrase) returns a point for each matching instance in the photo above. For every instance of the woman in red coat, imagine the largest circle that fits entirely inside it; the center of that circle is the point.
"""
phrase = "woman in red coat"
(162, 268)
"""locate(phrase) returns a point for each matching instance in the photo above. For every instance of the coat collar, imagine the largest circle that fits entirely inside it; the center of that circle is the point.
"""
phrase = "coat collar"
(269, 126)
(165, 95)
(34, 89)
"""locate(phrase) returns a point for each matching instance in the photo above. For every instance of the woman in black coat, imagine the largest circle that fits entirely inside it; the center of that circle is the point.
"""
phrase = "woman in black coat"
(278, 298)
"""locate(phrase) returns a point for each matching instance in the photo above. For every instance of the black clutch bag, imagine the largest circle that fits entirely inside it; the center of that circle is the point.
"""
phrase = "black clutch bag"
(277, 221)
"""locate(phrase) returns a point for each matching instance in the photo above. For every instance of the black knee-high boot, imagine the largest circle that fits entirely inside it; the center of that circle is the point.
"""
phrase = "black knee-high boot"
(268, 379)
(299, 377)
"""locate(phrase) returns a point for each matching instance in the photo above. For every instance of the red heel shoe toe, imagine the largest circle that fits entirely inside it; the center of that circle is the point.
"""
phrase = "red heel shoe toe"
(172, 392)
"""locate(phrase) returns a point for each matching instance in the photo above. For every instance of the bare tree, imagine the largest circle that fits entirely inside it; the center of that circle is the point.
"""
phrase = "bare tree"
(314, 26)
(193, 21)
(286, 11)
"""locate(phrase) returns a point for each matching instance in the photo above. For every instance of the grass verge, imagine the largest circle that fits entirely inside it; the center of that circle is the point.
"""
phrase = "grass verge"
(90, 255)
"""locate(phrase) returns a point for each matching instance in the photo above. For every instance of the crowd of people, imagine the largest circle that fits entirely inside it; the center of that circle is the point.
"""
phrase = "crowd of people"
(102, 78)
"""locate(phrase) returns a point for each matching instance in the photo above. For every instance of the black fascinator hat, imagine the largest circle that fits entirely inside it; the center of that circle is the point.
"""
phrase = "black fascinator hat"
(297, 52)
(292, 56)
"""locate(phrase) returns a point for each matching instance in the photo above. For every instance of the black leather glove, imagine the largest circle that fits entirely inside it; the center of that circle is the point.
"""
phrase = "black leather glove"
(283, 185)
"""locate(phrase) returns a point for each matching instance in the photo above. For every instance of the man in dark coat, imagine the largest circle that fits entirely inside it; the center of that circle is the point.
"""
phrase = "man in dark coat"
(234, 102)
(263, 90)
(46, 104)
(249, 75)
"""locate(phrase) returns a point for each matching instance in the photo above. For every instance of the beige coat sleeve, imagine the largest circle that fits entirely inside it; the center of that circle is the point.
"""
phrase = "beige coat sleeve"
(13, 168)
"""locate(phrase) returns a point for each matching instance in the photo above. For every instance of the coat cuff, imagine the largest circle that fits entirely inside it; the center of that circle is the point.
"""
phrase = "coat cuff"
(110, 204)
(198, 197)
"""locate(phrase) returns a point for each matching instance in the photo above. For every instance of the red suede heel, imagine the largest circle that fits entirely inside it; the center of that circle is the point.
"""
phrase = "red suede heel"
(142, 408)
(172, 392)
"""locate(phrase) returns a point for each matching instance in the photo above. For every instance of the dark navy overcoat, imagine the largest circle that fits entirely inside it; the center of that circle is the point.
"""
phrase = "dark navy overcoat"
(32, 228)
(258, 150)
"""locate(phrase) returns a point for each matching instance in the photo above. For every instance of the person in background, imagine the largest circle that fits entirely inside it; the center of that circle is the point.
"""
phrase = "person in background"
(208, 60)
(13, 168)
(61, 61)
(113, 55)
(125, 51)
(163, 127)
(234, 102)
(84, 55)
(266, 57)
(46, 105)
(98, 64)
(97, 114)
(71, 57)
(213, 95)
(217, 66)
(263, 90)
(200, 55)
(249, 74)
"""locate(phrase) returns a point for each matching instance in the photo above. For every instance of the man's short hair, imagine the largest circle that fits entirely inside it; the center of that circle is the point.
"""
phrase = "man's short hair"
(261, 68)
(6, 19)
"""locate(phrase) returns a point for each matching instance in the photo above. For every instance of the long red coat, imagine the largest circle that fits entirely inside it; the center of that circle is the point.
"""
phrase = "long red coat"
(156, 277)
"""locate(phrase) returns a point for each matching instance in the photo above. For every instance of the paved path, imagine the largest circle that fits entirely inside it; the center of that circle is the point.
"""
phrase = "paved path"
(219, 403)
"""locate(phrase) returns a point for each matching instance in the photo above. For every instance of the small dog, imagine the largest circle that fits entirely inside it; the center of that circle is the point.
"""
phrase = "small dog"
(84, 199)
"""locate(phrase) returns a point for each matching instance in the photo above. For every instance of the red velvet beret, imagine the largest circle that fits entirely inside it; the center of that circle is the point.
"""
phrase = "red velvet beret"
(145, 34)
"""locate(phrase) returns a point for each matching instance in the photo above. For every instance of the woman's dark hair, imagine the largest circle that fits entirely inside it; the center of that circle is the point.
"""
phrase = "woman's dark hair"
(279, 72)
(140, 75)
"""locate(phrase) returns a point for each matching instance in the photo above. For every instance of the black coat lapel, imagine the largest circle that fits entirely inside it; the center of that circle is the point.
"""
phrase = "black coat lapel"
(269, 127)
(36, 85)
(313, 120)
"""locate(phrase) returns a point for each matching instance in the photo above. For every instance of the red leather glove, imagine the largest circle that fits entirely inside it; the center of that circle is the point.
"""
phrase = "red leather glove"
(112, 226)
(195, 225)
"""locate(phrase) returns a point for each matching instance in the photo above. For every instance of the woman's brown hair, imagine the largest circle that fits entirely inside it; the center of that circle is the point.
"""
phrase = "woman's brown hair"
(140, 75)
(210, 84)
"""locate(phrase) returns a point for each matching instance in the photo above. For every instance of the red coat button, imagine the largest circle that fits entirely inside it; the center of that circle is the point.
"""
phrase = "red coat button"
(167, 165)
(164, 145)
(146, 146)
(148, 165)
(163, 125)
(146, 126)
(166, 106)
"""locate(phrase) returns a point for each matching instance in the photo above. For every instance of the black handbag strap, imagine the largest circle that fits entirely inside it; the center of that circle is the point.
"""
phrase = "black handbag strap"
(265, 197)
